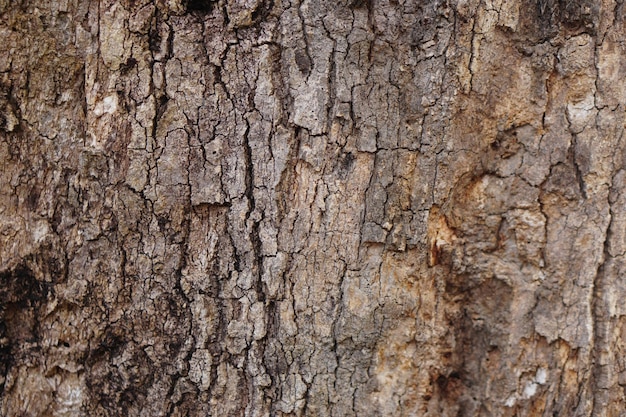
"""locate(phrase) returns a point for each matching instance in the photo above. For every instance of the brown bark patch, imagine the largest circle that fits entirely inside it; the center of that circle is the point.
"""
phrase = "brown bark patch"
(440, 236)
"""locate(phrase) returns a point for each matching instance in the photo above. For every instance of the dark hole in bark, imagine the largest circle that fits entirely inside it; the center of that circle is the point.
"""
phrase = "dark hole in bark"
(203, 6)
(161, 106)
(128, 65)
(258, 14)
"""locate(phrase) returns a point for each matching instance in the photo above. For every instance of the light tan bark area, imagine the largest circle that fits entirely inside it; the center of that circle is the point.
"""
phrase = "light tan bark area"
(312, 208)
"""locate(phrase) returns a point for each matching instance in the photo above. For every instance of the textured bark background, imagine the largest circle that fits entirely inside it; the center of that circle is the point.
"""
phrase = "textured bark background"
(316, 208)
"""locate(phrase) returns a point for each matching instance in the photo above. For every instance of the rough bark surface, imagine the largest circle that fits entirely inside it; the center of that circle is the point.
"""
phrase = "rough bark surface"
(312, 208)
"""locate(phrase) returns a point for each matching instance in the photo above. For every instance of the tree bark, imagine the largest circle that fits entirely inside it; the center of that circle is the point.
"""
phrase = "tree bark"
(312, 208)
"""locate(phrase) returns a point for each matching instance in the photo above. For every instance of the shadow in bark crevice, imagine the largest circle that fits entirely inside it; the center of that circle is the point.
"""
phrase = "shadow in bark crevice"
(21, 296)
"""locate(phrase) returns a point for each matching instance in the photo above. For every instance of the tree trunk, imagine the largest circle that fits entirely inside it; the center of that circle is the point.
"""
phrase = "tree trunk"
(316, 208)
